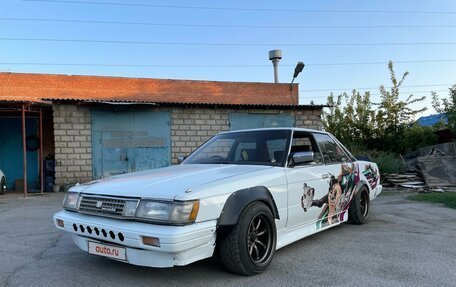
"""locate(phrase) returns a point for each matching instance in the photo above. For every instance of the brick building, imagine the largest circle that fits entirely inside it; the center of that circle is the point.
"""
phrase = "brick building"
(107, 125)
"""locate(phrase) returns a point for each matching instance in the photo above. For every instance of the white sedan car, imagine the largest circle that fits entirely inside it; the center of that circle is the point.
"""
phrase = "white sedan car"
(240, 196)
(2, 182)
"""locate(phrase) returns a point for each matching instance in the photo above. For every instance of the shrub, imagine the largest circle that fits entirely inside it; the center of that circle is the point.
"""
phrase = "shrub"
(417, 136)
(387, 162)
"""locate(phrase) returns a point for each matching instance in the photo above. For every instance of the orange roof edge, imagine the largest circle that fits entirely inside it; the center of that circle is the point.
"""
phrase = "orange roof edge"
(29, 87)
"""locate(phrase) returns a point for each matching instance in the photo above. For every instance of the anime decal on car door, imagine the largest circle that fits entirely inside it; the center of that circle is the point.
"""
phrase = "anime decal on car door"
(336, 202)
(371, 175)
(307, 197)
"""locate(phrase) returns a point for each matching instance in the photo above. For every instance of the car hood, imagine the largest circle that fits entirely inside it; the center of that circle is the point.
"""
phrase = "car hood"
(165, 183)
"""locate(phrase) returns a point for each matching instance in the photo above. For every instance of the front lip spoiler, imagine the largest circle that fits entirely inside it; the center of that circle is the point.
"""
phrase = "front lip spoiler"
(172, 238)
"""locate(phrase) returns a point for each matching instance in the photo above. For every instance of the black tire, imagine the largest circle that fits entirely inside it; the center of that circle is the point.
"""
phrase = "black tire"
(3, 186)
(359, 209)
(249, 246)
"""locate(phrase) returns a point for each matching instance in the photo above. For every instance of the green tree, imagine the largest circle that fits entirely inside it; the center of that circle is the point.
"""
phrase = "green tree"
(395, 111)
(350, 118)
(354, 121)
(417, 136)
(447, 106)
(394, 115)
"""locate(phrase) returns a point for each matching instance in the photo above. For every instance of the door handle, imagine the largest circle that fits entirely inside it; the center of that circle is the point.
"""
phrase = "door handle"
(325, 175)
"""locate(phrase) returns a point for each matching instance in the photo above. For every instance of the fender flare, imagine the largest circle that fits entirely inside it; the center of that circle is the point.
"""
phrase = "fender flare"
(358, 187)
(360, 184)
(238, 200)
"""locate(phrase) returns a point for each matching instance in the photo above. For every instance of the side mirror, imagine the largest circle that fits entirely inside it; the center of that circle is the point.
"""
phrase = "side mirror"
(180, 159)
(303, 157)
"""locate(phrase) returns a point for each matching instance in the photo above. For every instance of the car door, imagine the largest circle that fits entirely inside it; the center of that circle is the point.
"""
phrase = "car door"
(341, 174)
(306, 182)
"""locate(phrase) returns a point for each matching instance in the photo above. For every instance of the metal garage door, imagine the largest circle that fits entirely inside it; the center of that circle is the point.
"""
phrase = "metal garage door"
(129, 141)
(11, 157)
(252, 121)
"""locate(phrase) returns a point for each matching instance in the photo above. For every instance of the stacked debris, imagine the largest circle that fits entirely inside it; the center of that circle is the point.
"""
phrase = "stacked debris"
(409, 179)
(438, 168)
(429, 168)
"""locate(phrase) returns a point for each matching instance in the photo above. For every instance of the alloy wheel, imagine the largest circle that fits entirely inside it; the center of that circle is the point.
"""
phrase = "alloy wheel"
(260, 239)
(364, 204)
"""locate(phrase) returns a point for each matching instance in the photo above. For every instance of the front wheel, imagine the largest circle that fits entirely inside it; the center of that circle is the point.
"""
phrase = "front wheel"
(359, 209)
(3, 186)
(248, 248)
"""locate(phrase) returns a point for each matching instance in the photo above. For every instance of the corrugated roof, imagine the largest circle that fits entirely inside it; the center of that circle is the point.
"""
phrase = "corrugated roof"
(262, 106)
(37, 87)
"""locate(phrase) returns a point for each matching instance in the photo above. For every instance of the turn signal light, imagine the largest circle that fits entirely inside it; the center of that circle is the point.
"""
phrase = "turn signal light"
(152, 241)
(195, 210)
(60, 223)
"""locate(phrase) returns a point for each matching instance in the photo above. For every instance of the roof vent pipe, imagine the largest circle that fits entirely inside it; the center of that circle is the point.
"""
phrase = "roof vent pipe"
(275, 56)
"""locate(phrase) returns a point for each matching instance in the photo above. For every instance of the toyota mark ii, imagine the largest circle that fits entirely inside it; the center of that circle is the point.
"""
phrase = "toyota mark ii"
(240, 196)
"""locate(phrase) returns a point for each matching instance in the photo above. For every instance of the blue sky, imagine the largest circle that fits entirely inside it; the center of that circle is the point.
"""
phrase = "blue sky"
(244, 55)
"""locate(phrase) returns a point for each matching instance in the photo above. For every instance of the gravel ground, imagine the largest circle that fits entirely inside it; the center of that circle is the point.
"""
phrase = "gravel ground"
(404, 243)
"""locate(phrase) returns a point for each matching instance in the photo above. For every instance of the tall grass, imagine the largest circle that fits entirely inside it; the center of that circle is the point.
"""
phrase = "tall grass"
(388, 162)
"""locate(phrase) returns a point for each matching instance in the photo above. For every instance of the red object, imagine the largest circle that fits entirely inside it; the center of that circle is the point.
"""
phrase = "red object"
(41, 152)
(36, 87)
(24, 150)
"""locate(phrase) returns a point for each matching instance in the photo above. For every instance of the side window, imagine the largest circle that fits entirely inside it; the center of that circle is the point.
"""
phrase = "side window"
(332, 152)
(303, 142)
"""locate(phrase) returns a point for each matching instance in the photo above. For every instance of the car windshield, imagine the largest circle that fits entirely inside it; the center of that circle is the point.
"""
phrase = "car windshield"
(261, 147)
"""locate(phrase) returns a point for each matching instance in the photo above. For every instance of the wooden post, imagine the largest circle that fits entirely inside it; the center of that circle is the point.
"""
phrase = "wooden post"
(24, 150)
(41, 152)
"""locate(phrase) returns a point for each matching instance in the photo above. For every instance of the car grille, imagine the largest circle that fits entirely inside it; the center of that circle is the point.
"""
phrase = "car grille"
(103, 205)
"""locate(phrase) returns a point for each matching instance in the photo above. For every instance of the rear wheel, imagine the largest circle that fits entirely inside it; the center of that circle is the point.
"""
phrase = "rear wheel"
(360, 207)
(3, 186)
(248, 248)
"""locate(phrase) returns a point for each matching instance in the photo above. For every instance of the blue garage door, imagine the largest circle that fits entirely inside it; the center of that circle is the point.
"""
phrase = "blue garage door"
(125, 142)
(252, 121)
(11, 157)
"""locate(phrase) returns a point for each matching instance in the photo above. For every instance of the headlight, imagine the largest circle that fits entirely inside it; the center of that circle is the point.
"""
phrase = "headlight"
(129, 209)
(154, 210)
(71, 200)
(177, 212)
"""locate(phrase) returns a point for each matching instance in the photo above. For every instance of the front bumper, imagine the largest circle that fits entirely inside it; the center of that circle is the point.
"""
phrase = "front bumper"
(377, 190)
(179, 245)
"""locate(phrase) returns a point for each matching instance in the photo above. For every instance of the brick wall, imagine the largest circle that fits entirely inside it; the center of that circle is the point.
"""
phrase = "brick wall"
(73, 144)
(191, 127)
(310, 119)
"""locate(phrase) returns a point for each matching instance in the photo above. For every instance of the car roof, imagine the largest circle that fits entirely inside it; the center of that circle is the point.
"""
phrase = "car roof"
(278, 128)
